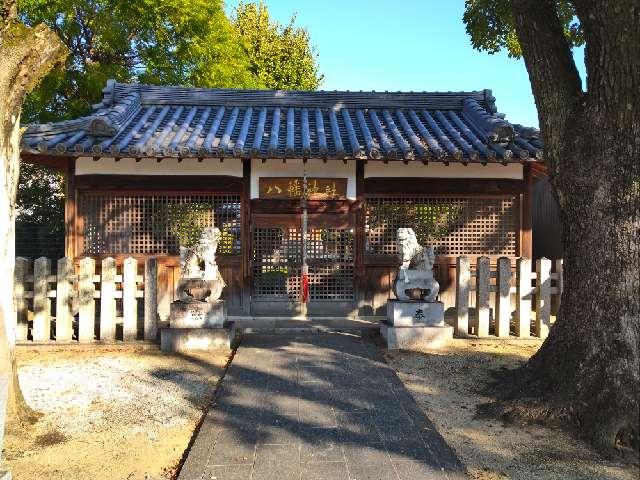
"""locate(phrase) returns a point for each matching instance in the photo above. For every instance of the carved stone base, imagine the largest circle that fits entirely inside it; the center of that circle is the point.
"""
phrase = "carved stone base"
(409, 338)
(202, 339)
(416, 313)
(196, 314)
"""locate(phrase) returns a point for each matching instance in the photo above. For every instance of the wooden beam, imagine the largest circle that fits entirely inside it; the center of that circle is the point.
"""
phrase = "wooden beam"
(245, 236)
(446, 186)
(526, 232)
(360, 273)
(51, 161)
(70, 217)
(213, 183)
(266, 206)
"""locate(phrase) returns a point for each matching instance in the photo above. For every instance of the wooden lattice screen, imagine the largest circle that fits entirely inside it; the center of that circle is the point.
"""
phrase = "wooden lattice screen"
(277, 263)
(453, 225)
(330, 258)
(130, 224)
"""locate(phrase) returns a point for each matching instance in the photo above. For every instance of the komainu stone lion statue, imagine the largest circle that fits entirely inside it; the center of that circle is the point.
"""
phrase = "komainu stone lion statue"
(196, 283)
(415, 277)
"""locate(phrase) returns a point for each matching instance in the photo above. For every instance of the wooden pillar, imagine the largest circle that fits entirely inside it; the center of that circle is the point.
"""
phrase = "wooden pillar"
(64, 289)
(129, 299)
(108, 300)
(70, 217)
(151, 299)
(543, 297)
(41, 330)
(463, 283)
(503, 297)
(523, 302)
(86, 302)
(483, 275)
(245, 235)
(20, 276)
(526, 232)
(359, 237)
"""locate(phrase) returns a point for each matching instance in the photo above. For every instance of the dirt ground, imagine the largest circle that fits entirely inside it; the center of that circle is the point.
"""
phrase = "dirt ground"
(448, 384)
(109, 413)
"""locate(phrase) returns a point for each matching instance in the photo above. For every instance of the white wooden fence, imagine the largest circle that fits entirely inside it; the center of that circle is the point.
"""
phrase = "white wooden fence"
(523, 301)
(84, 307)
(121, 303)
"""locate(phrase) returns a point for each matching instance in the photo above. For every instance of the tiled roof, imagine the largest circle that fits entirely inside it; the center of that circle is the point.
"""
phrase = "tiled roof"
(149, 121)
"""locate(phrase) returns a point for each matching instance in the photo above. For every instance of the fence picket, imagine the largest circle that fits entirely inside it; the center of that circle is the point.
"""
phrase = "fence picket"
(41, 331)
(107, 300)
(150, 299)
(129, 301)
(463, 280)
(555, 299)
(483, 275)
(19, 289)
(86, 303)
(64, 297)
(543, 297)
(523, 299)
(503, 297)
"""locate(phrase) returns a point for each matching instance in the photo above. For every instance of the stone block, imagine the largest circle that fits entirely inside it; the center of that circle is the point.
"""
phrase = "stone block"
(189, 339)
(408, 338)
(196, 314)
(417, 313)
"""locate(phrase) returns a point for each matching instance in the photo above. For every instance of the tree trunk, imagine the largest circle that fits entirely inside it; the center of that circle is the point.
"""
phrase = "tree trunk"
(589, 367)
(26, 55)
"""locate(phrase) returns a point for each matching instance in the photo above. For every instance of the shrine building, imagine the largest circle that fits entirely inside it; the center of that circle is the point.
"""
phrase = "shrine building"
(360, 164)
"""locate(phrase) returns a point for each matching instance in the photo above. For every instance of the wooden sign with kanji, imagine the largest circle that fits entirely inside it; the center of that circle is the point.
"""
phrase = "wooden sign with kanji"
(293, 187)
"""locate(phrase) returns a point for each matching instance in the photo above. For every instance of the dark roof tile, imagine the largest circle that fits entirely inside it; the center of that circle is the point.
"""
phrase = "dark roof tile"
(143, 120)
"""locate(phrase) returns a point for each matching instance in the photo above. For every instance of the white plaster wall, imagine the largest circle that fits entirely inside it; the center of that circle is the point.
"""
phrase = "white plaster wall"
(439, 170)
(295, 168)
(168, 166)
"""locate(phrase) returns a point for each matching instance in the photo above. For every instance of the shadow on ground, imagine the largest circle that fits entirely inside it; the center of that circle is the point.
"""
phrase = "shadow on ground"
(316, 407)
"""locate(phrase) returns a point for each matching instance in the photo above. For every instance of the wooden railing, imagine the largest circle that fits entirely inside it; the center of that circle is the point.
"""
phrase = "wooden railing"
(76, 304)
(524, 299)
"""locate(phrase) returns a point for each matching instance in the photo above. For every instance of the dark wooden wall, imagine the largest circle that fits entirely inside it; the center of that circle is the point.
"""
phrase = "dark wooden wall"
(547, 228)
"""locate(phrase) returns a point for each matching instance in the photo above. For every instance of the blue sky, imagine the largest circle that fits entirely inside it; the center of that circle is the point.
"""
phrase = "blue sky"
(407, 45)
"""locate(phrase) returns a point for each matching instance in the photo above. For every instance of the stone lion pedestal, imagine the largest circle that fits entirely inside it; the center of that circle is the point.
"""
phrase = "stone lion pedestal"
(415, 324)
(415, 319)
(197, 321)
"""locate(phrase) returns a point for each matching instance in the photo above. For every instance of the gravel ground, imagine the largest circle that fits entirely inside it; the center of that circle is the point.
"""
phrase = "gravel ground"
(448, 385)
(109, 414)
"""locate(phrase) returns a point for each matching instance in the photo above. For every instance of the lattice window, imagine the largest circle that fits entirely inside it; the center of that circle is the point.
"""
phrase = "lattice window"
(118, 223)
(453, 225)
(330, 260)
(277, 260)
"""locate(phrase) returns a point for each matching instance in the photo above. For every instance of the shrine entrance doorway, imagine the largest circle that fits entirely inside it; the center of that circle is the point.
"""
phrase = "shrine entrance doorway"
(277, 258)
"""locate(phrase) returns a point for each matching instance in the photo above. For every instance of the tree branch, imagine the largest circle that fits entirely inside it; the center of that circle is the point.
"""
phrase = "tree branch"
(555, 81)
(26, 55)
(612, 53)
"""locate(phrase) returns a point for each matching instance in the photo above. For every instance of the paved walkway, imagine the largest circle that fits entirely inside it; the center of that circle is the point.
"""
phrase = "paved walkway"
(316, 407)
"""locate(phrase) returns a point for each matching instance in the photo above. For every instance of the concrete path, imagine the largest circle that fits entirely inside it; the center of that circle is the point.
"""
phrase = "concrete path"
(316, 407)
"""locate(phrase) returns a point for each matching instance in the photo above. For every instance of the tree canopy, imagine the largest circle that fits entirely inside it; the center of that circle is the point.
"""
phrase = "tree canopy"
(176, 42)
(490, 24)
(184, 42)
(281, 56)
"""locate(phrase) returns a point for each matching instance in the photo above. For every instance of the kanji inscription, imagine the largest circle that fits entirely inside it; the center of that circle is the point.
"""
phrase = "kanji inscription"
(293, 187)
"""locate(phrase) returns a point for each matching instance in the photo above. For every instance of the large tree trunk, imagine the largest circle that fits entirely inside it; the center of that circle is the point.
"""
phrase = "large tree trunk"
(588, 368)
(26, 55)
